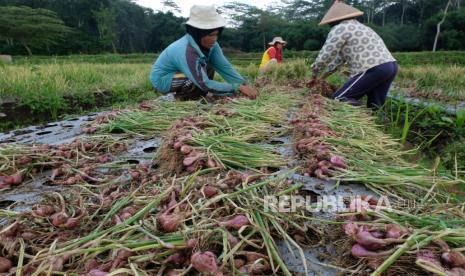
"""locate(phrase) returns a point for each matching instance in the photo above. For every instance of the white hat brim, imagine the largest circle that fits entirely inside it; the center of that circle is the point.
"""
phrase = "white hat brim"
(279, 41)
(218, 23)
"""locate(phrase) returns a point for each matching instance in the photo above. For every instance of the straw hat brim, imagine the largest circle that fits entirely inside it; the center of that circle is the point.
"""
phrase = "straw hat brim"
(340, 11)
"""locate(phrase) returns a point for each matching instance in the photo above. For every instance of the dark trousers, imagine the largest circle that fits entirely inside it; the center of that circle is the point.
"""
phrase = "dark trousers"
(186, 90)
(374, 83)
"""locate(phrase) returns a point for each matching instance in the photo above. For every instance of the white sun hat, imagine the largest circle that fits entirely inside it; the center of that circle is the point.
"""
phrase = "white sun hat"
(205, 17)
(277, 39)
(340, 11)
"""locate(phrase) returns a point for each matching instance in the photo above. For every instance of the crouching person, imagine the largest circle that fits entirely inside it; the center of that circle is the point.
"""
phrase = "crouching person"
(273, 55)
(187, 66)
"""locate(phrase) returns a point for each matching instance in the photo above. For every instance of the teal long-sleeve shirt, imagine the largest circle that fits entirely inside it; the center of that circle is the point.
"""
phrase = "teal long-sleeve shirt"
(184, 56)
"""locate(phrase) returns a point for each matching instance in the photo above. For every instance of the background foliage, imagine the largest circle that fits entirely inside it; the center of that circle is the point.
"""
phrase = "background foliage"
(122, 26)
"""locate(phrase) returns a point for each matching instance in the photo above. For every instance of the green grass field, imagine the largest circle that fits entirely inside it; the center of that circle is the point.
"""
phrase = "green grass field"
(71, 84)
(436, 82)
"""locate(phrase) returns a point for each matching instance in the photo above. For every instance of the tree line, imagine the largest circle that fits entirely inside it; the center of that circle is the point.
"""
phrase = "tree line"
(51, 27)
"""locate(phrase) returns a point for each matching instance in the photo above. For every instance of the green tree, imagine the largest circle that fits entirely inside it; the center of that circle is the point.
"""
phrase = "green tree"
(37, 27)
(165, 28)
(106, 23)
(170, 5)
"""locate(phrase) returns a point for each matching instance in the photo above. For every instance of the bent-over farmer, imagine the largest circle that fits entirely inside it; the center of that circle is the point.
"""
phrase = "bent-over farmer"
(371, 65)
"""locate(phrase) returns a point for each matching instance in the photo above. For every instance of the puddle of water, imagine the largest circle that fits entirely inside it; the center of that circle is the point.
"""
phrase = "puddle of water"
(150, 149)
(276, 142)
(43, 133)
(49, 183)
(4, 204)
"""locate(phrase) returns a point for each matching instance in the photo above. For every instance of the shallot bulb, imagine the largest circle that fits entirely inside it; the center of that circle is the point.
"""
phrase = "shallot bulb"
(361, 252)
(338, 162)
(204, 262)
(186, 149)
(170, 222)
(59, 219)
(426, 258)
(210, 191)
(394, 231)
(176, 258)
(96, 272)
(453, 258)
(5, 265)
(236, 223)
(44, 211)
(191, 243)
(367, 240)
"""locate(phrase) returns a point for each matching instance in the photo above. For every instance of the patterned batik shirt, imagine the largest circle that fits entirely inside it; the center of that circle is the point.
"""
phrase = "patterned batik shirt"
(353, 43)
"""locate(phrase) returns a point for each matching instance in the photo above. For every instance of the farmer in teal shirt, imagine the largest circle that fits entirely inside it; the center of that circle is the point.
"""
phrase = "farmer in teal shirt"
(187, 66)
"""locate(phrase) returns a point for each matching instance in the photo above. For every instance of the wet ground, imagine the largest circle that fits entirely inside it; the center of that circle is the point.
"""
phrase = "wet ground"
(444, 107)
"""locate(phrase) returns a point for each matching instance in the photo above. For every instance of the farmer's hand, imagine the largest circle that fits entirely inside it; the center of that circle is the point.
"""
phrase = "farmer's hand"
(312, 81)
(326, 75)
(249, 91)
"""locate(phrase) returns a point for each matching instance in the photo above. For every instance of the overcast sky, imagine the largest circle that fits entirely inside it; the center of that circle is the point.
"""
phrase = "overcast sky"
(185, 5)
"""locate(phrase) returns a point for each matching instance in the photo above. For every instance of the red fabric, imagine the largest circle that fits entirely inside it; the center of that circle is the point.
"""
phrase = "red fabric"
(274, 52)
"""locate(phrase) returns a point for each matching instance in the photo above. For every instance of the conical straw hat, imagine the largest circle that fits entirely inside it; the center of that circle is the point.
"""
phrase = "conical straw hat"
(340, 11)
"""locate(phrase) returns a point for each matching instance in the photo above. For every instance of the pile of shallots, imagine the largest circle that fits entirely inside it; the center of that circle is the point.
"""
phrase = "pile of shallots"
(372, 241)
(376, 242)
(309, 133)
(70, 163)
(101, 120)
(193, 158)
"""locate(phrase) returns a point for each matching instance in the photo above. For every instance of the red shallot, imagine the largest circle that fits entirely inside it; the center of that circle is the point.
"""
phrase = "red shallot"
(236, 223)
(5, 265)
(204, 262)
(361, 252)
(338, 162)
(210, 191)
(453, 258)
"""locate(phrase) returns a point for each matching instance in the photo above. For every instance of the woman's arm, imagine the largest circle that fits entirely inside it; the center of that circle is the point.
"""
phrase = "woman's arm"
(224, 67)
(330, 52)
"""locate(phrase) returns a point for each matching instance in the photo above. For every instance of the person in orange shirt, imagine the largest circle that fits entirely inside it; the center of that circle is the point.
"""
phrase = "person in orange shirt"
(273, 55)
